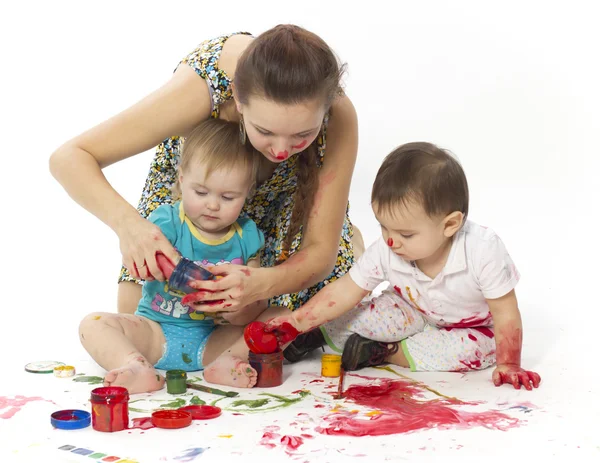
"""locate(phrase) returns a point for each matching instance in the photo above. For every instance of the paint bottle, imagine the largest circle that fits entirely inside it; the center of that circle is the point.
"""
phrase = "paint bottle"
(331, 365)
(184, 273)
(176, 381)
(110, 408)
(269, 368)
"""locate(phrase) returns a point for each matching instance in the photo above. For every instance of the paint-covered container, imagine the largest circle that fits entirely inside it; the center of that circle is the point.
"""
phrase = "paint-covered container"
(110, 408)
(269, 368)
(176, 381)
(185, 272)
(331, 365)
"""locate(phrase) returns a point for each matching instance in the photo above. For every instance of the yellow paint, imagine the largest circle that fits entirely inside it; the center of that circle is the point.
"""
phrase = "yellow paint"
(354, 412)
(97, 317)
(331, 365)
(374, 413)
(336, 409)
(226, 436)
(127, 461)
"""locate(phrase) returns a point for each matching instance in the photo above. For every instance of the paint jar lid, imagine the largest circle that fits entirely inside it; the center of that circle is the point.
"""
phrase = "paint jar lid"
(108, 394)
(176, 374)
(202, 412)
(44, 366)
(71, 419)
(171, 419)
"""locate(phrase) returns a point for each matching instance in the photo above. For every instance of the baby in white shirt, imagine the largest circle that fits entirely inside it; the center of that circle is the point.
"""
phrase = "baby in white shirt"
(451, 303)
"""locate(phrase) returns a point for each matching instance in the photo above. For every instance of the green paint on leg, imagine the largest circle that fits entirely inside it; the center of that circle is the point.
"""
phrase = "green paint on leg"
(186, 358)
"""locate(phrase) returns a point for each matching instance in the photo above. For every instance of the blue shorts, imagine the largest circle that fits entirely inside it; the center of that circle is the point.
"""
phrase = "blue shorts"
(184, 346)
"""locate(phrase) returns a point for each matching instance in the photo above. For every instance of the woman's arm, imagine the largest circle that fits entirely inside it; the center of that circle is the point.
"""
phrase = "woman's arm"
(317, 256)
(173, 109)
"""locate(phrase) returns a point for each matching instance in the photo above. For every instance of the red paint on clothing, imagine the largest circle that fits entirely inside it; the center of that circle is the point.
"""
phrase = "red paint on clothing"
(402, 411)
(472, 338)
(398, 290)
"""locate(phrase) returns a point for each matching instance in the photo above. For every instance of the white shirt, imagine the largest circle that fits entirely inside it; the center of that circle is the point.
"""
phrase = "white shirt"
(478, 268)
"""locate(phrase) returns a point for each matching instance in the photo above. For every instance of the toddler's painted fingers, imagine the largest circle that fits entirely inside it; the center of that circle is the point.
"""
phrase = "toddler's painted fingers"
(497, 378)
(535, 378)
(524, 379)
(514, 379)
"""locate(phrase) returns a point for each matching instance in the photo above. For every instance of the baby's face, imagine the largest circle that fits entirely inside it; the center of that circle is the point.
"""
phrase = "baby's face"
(409, 231)
(214, 202)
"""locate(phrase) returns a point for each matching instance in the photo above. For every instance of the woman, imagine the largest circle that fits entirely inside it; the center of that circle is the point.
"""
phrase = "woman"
(286, 96)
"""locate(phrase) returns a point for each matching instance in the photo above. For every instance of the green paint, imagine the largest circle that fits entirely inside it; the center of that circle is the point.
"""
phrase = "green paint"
(197, 401)
(175, 404)
(97, 455)
(194, 379)
(250, 403)
(89, 379)
(139, 410)
(186, 358)
(157, 377)
(416, 383)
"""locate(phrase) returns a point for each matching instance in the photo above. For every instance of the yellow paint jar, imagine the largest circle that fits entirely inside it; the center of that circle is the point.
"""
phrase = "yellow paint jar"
(331, 365)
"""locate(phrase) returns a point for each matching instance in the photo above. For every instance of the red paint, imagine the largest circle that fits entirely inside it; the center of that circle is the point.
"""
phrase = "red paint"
(485, 331)
(390, 242)
(403, 412)
(197, 299)
(282, 155)
(164, 264)
(508, 360)
(307, 436)
(284, 333)
(142, 423)
(319, 406)
(258, 339)
(299, 146)
(267, 436)
(269, 368)
(110, 412)
(202, 412)
(473, 365)
(292, 442)
(245, 271)
(15, 404)
(298, 391)
(472, 338)
(398, 290)
(171, 419)
(331, 304)
(316, 381)
(472, 322)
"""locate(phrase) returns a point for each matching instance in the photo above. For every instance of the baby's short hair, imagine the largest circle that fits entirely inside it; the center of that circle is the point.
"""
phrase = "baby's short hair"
(216, 144)
(424, 173)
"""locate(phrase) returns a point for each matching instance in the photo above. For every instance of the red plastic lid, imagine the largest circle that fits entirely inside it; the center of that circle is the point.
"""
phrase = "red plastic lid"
(171, 419)
(202, 412)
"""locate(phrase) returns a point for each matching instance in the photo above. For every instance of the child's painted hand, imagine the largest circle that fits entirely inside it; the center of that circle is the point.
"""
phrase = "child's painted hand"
(284, 328)
(515, 375)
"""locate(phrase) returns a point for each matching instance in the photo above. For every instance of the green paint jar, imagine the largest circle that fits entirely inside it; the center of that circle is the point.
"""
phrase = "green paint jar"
(176, 381)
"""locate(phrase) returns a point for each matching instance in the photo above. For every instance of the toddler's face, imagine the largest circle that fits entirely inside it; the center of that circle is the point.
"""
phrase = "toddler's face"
(409, 231)
(213, 203)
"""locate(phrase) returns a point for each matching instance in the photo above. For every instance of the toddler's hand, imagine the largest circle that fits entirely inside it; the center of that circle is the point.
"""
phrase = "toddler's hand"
(515, 375)
(284, 328)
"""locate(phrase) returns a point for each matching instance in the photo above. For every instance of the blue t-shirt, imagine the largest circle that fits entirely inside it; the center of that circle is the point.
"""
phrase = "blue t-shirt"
(242, 243)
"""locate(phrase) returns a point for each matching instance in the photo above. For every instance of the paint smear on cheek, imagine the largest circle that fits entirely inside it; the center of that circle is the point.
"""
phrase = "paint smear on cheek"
(400, 411)
(299, 146)
(390, 242)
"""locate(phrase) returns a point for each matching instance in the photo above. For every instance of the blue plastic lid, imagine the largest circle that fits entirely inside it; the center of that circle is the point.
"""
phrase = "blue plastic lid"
(71, 419)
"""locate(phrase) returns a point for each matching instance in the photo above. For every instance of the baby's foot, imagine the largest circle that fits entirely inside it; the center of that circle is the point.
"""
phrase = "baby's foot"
(230, 371)
(137, 376)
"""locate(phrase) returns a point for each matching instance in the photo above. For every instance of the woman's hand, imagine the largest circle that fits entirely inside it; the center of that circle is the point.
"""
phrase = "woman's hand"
(239, 287)
(139, 241)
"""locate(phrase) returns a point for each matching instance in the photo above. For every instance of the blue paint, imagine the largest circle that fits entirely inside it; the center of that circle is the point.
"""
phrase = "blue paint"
(82, 451)
(191, 454)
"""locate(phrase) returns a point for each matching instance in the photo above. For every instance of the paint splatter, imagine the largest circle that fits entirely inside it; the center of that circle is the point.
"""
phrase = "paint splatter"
(190, 454)
(186, 358)
(89, 379)
(292, 442)
(142, 423)
(15, 405)
(403, 412)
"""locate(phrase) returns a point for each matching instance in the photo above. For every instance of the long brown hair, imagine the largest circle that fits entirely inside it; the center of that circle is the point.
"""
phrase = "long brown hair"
(289, 65)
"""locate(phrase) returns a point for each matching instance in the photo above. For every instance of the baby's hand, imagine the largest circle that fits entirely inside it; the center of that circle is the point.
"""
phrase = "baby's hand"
(283, 328)
(515, 375)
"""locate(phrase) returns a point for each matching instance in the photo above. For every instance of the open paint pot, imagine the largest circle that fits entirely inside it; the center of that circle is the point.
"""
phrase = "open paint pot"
(202, 412)
(269, 368)
(176, 381)
(110, 408)
(70, 419)
(171, 419)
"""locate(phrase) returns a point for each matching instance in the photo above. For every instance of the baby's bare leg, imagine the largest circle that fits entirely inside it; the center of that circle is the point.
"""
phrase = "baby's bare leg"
(127, 346)
(230, 366)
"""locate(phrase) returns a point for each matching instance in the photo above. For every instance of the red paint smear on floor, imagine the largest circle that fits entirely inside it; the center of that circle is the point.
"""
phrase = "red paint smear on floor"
(292, 442)
(403, 412)
(16, 403)
(142, 423)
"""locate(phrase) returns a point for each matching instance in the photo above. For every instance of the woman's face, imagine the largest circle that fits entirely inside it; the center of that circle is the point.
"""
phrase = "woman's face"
(280, 131)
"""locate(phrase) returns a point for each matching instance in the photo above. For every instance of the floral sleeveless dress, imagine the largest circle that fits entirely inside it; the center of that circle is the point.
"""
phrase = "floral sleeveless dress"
(272, 203)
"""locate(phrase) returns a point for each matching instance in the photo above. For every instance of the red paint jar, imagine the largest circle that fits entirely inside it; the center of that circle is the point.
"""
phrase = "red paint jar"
(269, 368)
(110, 409)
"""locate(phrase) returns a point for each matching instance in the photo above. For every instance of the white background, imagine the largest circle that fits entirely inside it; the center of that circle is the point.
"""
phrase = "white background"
(510, 87)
